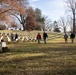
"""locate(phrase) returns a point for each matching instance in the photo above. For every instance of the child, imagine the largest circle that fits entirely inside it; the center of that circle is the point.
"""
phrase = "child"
(38, 38)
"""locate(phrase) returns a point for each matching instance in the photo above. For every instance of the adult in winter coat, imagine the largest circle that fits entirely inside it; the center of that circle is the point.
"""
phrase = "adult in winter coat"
(44, 37)
(72, 37)
(65, 37)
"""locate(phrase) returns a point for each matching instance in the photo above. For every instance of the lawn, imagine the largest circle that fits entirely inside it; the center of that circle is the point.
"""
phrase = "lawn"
(29, 58)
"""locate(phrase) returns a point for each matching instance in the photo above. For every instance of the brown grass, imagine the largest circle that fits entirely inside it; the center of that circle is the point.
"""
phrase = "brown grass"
(30, 58)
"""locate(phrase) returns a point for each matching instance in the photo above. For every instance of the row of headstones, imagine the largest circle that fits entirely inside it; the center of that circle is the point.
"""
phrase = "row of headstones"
(25, 38)
(19, 38)
(3, 46)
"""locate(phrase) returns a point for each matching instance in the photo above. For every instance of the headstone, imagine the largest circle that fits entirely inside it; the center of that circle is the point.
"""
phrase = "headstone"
(1, 37)
(31, 38)
(35, 38)
(17, 40)
(23, 38)
(27, 38)
(9, 40)
(5, 34)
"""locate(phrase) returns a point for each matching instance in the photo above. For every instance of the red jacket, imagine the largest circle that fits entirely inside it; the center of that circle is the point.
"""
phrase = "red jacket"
(38, 36)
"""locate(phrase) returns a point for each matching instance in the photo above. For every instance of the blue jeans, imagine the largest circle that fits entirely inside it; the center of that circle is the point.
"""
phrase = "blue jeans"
(45, 40)
(72, 39)
(38, 41)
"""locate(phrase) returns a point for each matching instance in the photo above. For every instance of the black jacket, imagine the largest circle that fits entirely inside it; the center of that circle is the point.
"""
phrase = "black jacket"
(72, 35)
(45, 35)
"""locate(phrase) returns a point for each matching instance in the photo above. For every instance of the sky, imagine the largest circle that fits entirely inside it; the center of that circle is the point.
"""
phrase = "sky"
(54, 9)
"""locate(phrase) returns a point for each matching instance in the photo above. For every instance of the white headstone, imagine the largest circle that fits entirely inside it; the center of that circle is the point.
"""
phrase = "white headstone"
(35, 38)
(9, 40)
(17, 39)
(27, 38)
(23, 38)
(31, 38)
(1, 37)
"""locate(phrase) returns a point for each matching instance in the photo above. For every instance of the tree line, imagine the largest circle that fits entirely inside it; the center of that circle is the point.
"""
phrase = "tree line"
(14, 11)
(20, 10)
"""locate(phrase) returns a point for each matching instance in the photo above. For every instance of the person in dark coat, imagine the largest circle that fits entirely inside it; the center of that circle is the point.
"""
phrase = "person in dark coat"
(38, 38)
(16, 36)
(12, 37)
(65, 37)
(72, 37)
(44, 37)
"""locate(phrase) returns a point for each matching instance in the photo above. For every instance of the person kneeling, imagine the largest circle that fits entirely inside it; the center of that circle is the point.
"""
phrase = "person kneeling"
(4, 47)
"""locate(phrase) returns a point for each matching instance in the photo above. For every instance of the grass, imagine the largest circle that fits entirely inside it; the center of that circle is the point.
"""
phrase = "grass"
(30, 58)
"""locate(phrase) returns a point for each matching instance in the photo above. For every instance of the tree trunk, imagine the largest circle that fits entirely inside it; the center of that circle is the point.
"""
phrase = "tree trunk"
(64, 29)
(74, 21)
(23, 26)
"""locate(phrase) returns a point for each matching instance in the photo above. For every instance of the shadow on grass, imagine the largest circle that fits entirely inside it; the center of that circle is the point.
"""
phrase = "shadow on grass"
(61, 49)
(59, 59)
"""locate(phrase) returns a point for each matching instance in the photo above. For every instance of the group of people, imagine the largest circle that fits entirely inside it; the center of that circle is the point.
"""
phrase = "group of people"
(72, 37)
(44, 37)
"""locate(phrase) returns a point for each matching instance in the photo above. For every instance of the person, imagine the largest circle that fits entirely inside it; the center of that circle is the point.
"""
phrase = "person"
(12, 36)
(72, 36)
(65, 37)
(4, 47)
(38, 38)
(44, 37)
(16, 36)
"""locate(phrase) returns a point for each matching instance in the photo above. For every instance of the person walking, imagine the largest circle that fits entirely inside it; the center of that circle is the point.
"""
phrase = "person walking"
(65, 37)
(16, 36)
(72, 37)
(12, 36)
(38, 38)
(44, 37)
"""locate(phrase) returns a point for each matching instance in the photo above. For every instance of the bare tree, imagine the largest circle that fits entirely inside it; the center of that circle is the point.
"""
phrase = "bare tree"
(70, 23)
(63, 24)
(48, 24)
(16, 8)
(72, 6)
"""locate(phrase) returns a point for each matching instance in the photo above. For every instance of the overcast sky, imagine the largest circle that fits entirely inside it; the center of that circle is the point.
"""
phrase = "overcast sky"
(54, 9)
